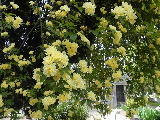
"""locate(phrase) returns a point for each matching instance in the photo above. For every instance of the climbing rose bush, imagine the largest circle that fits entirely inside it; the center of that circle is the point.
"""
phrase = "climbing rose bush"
(78, 63)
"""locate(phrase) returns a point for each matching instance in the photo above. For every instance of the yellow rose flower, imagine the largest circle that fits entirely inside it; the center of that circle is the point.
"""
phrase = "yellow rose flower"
(3, 34)
(91, 96)
(1, 101)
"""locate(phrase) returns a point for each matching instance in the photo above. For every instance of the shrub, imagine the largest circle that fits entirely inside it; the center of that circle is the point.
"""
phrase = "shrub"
(73, 111)
(147, 113)
(124, 107)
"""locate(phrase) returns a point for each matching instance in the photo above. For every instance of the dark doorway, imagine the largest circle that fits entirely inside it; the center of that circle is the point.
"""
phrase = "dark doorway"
(120, 93)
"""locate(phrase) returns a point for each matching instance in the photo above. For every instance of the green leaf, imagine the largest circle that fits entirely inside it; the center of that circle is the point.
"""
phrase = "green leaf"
(151, 27)
(43, 77)
(95, 32)
(1, 28)
(8, 14)
(40, 73)
(4, 94)
(9, 101)
(65, 70)
(121, 19)
(21, 68)
(157, 2)
(0, 23)
(73, 36)
(32, 92)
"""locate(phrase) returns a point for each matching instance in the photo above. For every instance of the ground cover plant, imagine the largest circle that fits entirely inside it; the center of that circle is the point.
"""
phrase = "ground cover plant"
(147, 113)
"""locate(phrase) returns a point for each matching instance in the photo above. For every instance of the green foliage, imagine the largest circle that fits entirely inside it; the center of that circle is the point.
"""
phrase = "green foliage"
(15, 116)
(153, 103)
(72, 111)
(157, 3)
(131, 103)
(147, 113)
(124, 107)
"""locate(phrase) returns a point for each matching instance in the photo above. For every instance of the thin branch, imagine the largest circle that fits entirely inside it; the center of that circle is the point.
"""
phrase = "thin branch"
(2, 2)
(25, 39)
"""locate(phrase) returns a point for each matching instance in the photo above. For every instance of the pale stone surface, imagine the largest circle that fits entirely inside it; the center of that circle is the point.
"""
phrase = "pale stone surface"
(115, 115)
(18, 119)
